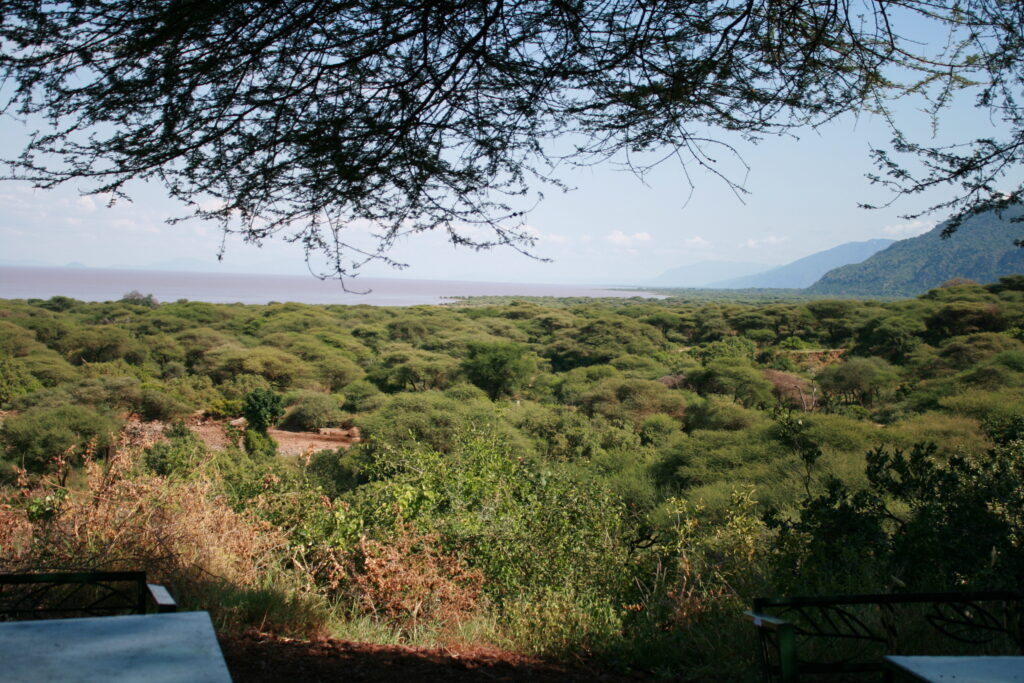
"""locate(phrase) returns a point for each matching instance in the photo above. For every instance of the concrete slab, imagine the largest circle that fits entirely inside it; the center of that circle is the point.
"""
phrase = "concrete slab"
(154, 648)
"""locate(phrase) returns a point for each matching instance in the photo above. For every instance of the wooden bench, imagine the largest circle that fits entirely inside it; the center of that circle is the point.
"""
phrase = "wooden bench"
(60, 595)
(848, 635)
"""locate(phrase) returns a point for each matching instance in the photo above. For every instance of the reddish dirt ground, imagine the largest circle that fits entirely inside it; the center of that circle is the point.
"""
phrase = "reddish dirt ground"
(257, 658)
(295, 443)
(212, 433)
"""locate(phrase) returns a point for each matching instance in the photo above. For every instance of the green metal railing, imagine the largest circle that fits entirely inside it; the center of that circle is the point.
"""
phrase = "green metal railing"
(77, 594)
(849, 634)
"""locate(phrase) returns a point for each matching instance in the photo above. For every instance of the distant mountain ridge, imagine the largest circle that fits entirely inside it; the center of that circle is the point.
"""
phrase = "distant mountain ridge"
(982, 249)
(700, 274)
(808, 270)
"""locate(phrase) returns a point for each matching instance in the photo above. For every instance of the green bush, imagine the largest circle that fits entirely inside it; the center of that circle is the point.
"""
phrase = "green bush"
(984, 404)
(311, 412)
(15, 379)
(223, 408)
(737, 379)
(179, 455)
(363, 396)
(543, 526)
(923, 521)
(860, 380)
(722, 412)
(262, 409)
(173, 369)
(49, 368)
(37, 438)
(240, 385)
(557, 432)
(280, 368)
(431, 418)
(628, 401)
(658, 428)
(16, 340)
(335, 472)
(730, 349)
(465, 391)
(403, 368)
(157, 404)
(499, 368)
(642, 367)
(601, 340)
(259, 445)
(337, 371)
(966, 351)
(953, 433)
(570, 386)
(100, 344)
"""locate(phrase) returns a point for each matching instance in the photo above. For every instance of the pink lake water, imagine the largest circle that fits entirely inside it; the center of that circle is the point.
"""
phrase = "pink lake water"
(94, 284)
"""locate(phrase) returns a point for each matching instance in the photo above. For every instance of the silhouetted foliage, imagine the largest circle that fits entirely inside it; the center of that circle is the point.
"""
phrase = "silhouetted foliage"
(303, 119)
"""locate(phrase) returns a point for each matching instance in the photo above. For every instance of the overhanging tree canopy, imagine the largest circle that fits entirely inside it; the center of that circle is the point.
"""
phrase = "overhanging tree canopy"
(300, 119)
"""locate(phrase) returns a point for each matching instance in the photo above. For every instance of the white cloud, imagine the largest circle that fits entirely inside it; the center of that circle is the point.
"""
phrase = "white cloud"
(543, 237)
(621, 239)
(212, 204)
(134, 226)
(696, 241)
(909, 229)
(769, 241)
(89, 203)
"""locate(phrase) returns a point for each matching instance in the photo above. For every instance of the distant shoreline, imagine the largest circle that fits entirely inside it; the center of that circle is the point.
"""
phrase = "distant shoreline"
(99, 284)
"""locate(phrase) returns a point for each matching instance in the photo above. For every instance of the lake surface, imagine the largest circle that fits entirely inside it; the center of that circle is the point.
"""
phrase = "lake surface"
(94, 284)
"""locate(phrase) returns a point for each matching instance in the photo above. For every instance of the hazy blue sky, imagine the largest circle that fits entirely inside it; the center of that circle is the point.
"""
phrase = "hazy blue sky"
(611, 229)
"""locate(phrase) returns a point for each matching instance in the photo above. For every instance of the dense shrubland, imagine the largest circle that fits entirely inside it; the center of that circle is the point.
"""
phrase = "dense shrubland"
(608, 478)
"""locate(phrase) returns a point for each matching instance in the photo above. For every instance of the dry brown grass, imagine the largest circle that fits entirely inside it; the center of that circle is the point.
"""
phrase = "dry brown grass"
(182, 533)
(411, 581)
(177, 530)
(791, 389)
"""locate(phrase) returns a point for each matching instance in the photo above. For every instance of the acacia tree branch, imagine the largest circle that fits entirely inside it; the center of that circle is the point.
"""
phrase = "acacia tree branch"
(301, 120)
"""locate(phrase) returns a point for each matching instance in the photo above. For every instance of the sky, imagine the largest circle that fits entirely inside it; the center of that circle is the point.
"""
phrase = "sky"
(611, 228)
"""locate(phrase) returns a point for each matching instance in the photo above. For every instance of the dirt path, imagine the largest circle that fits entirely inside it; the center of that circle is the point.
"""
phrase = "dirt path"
(265, 659)
(213, 434)
(288, 443)
(294, 443)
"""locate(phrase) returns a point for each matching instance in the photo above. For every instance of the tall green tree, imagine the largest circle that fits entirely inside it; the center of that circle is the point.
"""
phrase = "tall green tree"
(924, 521)
(262, 409)
(859, 380)
(499, 368)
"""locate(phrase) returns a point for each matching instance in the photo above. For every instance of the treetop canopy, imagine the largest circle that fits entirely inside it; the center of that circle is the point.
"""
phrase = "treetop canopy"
(302, 119)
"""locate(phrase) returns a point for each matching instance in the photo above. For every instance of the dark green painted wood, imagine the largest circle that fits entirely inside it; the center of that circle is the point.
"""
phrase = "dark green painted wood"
(992, 614)
(63, 594)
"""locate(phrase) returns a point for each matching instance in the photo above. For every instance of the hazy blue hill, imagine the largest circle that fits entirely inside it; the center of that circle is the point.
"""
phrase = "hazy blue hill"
(982, 250)
(701, 274)
(808, 270)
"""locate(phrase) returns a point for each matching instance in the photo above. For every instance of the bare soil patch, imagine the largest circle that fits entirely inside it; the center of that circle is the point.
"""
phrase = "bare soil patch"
(260, 658)
(295, 443)
(214, 434)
